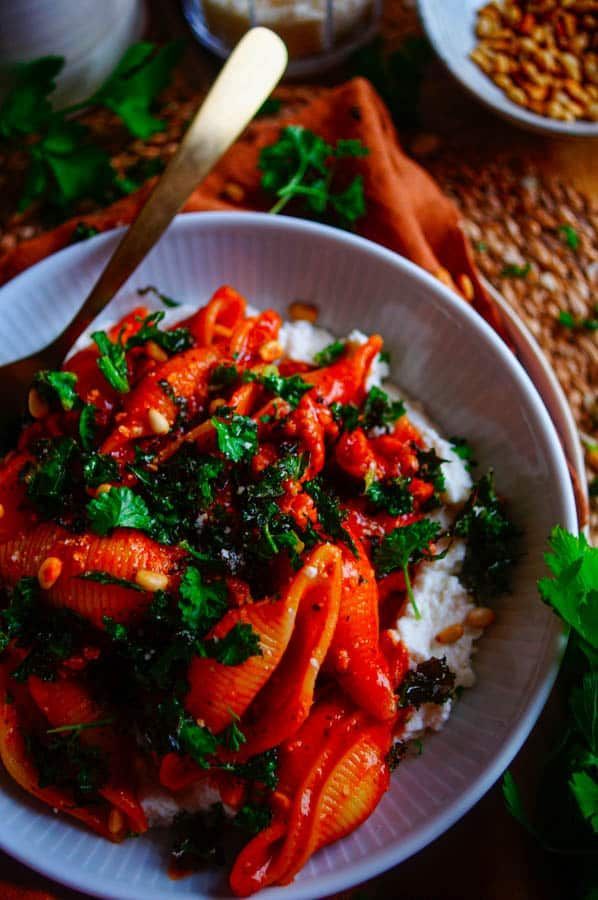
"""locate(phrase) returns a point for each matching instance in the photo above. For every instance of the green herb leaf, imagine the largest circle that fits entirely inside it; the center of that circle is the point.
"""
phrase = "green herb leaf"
(98, 468)
(570, 236)
(201, 604)
(236, 437)
(253, 819)
(431, 682)
(150, 289)
(234, 737)
(584, 705)
(567, 320)
(238, 645)
(48, 481)
(290, 389)
(26, 107)
(270, 107)
(492, 541)
(87, 426)
(174, 341)
(112, 362)
(330, 354)
(119, 507)
(82, 232)
(464, 451)
(585, 791)
(514, 802)
(142, 73)
(58, 386)
(331, 514)
(392, 496)
(301, 165)
(379, 411)
(223, 376)
(573, 589)
(512, 270)
(198, 741)
(405, 546)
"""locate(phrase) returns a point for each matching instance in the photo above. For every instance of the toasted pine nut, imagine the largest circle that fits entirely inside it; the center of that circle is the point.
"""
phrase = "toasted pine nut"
(116, 822)
(37, 405)
(222, 330)
(156, 352)
(270, 351)
(450, 634)
(49, 572)
(480, 617)
(103, 488)
(234, 192)
(158, 422)
(466, 285)
(151, 581)
(307, 312)
(2, 511)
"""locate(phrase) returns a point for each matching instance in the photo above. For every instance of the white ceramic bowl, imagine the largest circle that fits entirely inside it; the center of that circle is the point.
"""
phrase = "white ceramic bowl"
(450, 26)
(446, 356)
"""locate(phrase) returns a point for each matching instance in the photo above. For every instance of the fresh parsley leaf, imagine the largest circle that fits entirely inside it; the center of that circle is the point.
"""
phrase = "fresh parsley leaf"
(208, 471)
(236, 437)
(201, 604)
(431, 682)
(514, 802)
(430, 469)
(512, 270)
(112, 362)
(87, 425)
(173, 341)
(58, 386)
(346, 415)
(405, 546)
(585, 791)
(262, 768)
(584, 705)
(569, 235)
(492, 541)
(142, 73)
(330, 353)
(82, 232)
(301, 165)
(198, 741)
(119, 507)
(150, 289)
(291, 388)
(106, 578)
(573, 589)
(234, 737)
(392, 496)
(238, 645)
(99, 468)
(26, 108)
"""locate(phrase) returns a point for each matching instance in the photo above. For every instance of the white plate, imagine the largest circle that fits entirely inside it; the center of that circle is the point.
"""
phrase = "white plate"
(450, 26)
(446, 356)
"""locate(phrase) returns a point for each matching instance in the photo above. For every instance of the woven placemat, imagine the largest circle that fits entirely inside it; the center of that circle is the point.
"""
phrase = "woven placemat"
(513, 215)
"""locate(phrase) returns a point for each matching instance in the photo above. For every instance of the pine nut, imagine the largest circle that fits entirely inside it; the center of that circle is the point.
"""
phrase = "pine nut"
(480, 617)
(49, 572)
(116, 822)
(466, 285)
(270, 351)
(158, 422)
(450, 634)
(103, 488)
(38, 407)
(151, 581)
(2, 511)
(216, 404)
(306, 312)
(234, 192)
(156, 352)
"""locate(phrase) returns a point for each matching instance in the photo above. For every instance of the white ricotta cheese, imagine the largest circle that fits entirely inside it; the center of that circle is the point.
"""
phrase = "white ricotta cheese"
(161, 806)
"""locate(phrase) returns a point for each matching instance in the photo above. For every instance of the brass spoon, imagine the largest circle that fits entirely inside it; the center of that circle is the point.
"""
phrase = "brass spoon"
(247, 79)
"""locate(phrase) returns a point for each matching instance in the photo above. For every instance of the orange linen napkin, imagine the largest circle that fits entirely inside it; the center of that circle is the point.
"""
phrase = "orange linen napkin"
(406, 211)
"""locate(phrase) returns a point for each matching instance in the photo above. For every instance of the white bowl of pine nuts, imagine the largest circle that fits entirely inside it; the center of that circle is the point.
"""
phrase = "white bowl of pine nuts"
(536, 63)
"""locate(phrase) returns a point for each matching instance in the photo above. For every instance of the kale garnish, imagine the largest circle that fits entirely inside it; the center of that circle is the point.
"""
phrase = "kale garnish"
(331, 514)
(393, 496)
(63, 761)
(492, 541)
(431, 682)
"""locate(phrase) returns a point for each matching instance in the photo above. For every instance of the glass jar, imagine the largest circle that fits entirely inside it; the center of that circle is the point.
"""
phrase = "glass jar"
(319, 34)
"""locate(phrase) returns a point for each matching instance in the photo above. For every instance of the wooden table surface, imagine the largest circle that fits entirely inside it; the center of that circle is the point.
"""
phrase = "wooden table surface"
(486, 855)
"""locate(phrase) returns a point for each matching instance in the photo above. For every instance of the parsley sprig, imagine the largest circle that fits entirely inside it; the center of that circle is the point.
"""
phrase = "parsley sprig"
(301, 165)
(403, 547)
(65, 163)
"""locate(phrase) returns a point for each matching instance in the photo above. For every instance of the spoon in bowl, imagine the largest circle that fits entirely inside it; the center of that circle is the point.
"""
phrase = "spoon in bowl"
(251, 72)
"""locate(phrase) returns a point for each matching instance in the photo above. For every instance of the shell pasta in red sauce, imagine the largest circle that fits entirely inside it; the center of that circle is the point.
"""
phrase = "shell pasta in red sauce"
(239, 574)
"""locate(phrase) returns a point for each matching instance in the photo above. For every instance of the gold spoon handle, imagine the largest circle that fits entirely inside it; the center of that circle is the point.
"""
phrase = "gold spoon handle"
(251, 72)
